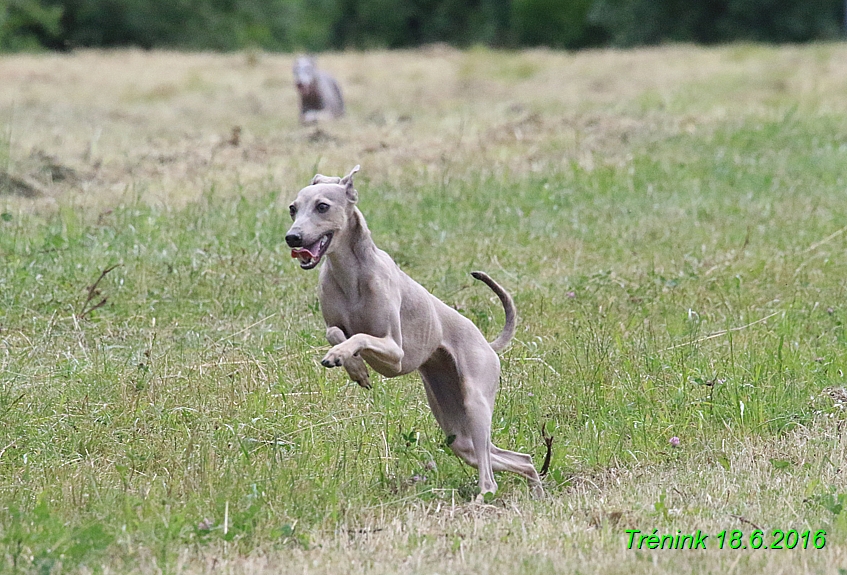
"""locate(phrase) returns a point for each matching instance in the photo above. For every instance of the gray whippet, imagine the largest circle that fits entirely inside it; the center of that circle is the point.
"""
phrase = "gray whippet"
(320, 95)
(377, 314)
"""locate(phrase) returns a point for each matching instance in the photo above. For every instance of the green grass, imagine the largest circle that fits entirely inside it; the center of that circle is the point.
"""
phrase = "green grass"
(694, 288)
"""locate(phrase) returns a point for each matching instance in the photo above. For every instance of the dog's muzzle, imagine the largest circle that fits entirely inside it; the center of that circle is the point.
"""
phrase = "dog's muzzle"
(310, 255)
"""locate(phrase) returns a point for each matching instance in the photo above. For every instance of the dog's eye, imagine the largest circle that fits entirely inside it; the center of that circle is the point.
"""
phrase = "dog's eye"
(293, 211)
(322, 208)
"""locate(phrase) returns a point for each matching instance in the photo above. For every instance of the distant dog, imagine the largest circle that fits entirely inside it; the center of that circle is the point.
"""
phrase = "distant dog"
(320, 95)
(377, 314)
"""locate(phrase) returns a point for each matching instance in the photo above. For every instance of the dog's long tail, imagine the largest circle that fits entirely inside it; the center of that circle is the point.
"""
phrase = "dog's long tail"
(508, 332)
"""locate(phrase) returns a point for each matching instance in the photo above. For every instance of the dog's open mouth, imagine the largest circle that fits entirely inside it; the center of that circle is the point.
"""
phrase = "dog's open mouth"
(310, 255)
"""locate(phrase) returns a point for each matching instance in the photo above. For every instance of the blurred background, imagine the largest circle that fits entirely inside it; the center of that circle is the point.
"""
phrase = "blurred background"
(317, 25)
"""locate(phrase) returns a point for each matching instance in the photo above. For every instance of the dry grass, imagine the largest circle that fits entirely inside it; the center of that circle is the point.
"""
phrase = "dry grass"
(583, 530)
(156, 125)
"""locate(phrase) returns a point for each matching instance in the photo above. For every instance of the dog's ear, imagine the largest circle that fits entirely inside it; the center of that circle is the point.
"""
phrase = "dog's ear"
(321, 179)
(347, 182)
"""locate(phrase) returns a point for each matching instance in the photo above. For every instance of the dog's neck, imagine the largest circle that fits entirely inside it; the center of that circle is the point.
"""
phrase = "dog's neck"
(356, 245)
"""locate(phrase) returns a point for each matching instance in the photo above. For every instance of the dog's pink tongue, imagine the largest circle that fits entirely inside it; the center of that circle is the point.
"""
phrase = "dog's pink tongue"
(306, 253)
(298, 253)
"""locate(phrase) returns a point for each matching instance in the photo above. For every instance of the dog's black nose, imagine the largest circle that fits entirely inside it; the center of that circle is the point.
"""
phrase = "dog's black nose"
(294, 240)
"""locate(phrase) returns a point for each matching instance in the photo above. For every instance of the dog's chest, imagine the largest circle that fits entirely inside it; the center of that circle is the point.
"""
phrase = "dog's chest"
(358, 314)
(311, 100)
(360, 319)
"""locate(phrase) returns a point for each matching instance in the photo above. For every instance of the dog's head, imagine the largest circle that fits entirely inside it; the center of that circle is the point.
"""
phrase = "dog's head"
(304, 74)
(320, 212)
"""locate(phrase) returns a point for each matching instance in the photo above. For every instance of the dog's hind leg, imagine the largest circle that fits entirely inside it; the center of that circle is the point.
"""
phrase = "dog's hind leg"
(355, 365)
(520, 463)
(465, 419)
(478, 417)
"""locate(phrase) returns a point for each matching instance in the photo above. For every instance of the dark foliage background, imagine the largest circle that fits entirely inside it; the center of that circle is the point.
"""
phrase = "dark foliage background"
(335, 24)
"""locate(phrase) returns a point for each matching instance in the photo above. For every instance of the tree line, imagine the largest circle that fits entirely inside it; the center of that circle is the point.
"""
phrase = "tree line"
(315, 25)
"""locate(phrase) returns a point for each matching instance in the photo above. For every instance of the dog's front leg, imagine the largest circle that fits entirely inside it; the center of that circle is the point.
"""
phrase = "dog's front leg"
(355, 365)
(383, 353)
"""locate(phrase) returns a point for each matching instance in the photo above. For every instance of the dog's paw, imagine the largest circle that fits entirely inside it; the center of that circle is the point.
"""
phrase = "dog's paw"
(358, 371)
(335, 357)
(537, 491)
(364, 382)
(331, 362)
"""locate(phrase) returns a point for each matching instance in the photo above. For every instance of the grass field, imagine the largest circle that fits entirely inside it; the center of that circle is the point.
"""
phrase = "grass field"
(671, 222)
